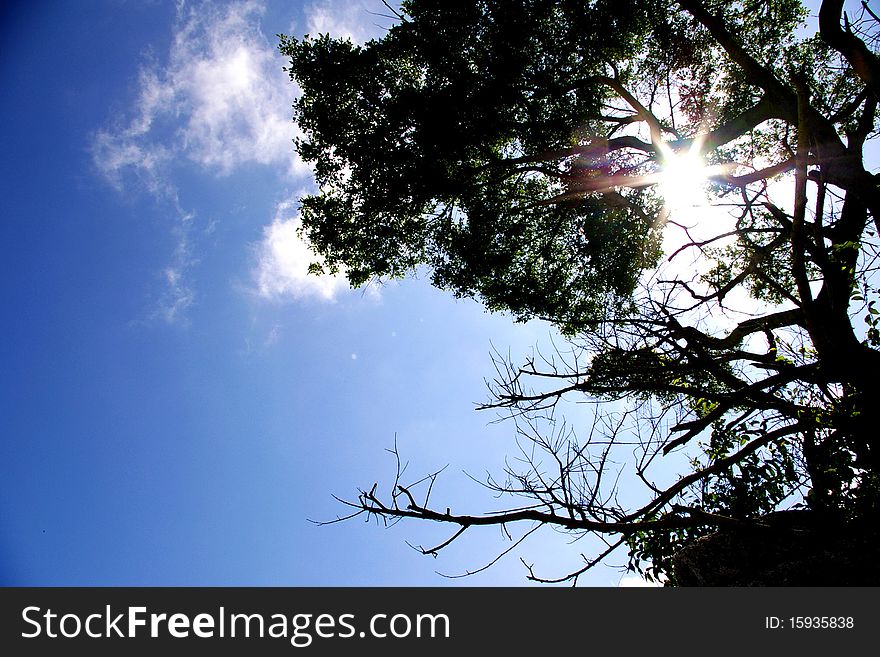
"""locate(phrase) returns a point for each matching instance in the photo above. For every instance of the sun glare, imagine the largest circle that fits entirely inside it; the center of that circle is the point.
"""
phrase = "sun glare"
(682, 180)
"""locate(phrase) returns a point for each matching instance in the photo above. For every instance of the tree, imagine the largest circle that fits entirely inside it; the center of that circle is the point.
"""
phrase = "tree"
(528, 154)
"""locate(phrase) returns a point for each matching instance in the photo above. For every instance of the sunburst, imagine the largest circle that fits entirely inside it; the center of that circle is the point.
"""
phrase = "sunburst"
(683, 175)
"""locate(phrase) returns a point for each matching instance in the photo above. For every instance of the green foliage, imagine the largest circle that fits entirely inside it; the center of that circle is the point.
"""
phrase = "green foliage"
(757, 483)
(409, 137)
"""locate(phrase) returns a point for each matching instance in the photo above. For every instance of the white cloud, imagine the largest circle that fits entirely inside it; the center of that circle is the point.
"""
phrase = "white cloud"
(283, 262)
(358, 20)
(221, 101)
(115, 153)
(228, 81)
(177, 298)
(178, 295)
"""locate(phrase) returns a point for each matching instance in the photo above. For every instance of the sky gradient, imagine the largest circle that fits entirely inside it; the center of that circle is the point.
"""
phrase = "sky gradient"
(179, 399)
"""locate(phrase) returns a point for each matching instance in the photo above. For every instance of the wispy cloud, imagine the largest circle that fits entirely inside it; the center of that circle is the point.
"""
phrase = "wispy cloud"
(218, 100)
(227, 79)
(283, 260)
(358, 20)
(283, 256)
(221, 101)
(178, 294)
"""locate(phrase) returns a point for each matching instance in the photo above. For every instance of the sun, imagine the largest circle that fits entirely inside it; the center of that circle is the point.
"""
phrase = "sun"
(682, 179)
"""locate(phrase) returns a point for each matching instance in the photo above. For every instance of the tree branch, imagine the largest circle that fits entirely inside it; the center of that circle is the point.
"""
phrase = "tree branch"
(865, 63)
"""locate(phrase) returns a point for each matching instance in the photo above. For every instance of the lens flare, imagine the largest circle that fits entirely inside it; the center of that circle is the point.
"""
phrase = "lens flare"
(682, 180)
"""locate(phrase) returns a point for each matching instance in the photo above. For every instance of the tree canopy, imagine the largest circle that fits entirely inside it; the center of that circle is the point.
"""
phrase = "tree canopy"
(527, 154)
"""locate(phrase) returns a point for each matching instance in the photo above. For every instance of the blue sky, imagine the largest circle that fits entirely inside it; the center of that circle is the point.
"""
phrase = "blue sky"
(178, 398)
